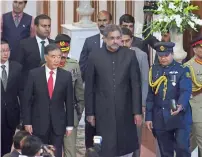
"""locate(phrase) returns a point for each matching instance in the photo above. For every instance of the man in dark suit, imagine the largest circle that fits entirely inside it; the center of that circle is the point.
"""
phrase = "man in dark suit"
(128, 21)
(31, 53)
(48, 101)
(10, 72)
(96, 41)
(16, 25)
(93, 42)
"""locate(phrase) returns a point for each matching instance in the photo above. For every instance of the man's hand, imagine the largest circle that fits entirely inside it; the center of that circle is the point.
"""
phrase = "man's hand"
(179, 108)
(149, 125)
(29, 129)
(138, 120)
(68, 132)
(91, 120)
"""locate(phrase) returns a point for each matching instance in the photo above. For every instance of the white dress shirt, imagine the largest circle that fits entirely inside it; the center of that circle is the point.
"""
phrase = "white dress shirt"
(6, 68)
(54, 78)
(101, 40)
(39, 42)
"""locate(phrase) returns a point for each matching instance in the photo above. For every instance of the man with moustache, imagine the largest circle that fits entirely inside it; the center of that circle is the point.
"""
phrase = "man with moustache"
(104, 18)
(93, 42)
(15, 26)
(195, 66)
(113, 95)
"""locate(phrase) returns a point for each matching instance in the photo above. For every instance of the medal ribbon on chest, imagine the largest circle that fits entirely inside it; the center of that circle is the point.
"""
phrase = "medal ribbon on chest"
(193, 77)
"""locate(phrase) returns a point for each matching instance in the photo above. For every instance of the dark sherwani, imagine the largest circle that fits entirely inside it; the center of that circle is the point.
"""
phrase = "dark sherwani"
(113, 95)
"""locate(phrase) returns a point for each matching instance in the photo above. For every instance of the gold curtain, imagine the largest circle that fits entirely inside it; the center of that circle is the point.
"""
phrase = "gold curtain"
(76, 16)
(129, 7)
(46, 7)
(95, 5)
(111, 7)
(61, 15)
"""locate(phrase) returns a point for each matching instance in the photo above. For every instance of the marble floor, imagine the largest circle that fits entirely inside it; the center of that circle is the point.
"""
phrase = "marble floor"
(147, 148)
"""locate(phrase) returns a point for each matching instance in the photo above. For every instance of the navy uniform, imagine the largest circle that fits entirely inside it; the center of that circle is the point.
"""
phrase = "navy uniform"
(71, 65)
(167, 83)
(195, 66)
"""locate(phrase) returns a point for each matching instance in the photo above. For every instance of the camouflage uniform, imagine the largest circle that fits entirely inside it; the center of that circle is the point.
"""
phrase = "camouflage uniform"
(70, 141)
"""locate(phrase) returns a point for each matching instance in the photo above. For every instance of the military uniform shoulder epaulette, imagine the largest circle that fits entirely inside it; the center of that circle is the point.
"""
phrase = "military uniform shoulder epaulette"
(70, 60)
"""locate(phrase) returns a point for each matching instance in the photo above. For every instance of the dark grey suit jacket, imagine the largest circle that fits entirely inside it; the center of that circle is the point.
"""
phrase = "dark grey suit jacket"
(90, 43)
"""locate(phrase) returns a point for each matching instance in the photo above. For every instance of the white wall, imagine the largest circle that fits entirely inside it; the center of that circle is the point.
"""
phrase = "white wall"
(54, 19)
(69, 11)
(120, 10)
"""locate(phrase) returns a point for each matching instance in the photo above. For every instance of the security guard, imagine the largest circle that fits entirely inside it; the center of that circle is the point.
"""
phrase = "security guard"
(63, 41)
(168, 112)
(195, 66)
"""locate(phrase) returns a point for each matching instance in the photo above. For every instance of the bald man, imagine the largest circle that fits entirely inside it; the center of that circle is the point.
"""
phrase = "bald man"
(104, 18)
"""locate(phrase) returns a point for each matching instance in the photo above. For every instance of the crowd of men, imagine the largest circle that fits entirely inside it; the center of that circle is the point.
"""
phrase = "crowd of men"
(43, 89)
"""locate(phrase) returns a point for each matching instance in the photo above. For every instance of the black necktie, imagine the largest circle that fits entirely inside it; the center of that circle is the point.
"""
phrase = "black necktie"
(4, 76)
(42, 50)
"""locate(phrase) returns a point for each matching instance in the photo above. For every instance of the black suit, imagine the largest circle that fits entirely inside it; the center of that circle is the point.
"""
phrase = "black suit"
(29, 56)
(10, 109)
(49, 117)
(91, 43)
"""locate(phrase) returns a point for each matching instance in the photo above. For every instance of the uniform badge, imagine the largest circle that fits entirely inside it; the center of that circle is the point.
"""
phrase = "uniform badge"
(162, 48)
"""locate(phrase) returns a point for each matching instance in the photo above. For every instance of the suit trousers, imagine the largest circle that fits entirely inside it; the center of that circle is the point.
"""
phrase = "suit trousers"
(177, 140)
(51, 138)
(70, 144)
(90, 132)
(6, 139)
(7, 134)
(196, 137)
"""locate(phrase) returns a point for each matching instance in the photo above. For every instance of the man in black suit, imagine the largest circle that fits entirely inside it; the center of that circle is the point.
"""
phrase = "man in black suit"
(48, 101)
(31, 54)
(10, 72)
(93, 42)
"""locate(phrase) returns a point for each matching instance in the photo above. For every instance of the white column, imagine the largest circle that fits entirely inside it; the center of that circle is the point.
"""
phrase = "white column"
(120, 10)
(54, 18)
(69, 12)
(103, 5)
(139, 18)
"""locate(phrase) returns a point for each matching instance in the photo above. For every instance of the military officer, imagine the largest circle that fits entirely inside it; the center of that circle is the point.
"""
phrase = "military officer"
(63, 41)
(195, 66)
(168, 112)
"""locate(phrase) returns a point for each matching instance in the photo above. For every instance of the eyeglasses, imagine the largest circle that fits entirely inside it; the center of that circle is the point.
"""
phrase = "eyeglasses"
(5, 50)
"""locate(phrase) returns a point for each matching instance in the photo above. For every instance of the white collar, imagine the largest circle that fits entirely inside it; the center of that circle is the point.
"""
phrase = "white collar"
(48, 70)
(39, 39)
(6, 64)
(101, 36)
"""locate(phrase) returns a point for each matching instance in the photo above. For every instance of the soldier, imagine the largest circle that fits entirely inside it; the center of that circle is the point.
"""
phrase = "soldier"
(195, 66)
(63, 41)
(168, 112)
